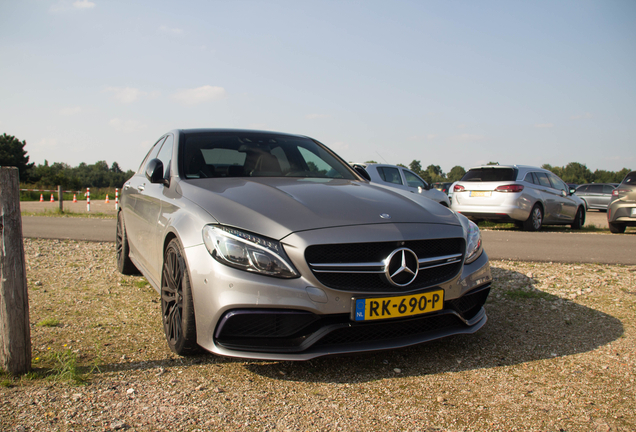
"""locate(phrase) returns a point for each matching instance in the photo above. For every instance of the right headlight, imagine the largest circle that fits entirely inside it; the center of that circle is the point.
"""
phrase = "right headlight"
(473, 242)
(247, 251)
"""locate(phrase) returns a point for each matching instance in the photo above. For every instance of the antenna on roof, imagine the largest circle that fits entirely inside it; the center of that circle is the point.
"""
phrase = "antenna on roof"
(381, 157)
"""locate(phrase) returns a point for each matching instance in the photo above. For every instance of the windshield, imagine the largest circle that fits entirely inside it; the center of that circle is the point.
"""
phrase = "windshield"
(490, 174)
(251, 154)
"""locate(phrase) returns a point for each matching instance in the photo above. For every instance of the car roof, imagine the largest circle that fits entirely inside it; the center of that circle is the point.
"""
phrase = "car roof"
(526, 167)
(375, 164)
(229, 130)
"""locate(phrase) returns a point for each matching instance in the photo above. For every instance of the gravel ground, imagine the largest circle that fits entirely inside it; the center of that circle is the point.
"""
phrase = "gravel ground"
(557, 354)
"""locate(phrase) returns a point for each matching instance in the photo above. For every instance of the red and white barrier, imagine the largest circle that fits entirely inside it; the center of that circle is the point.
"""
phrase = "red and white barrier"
(88, 199)
(116, 199)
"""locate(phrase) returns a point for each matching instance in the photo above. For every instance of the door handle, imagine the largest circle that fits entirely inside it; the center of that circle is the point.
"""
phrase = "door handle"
(127, 186)
(141, 187)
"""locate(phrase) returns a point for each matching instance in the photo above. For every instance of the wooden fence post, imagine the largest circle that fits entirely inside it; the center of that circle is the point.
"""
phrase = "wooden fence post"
(60, 197)
(15, 333)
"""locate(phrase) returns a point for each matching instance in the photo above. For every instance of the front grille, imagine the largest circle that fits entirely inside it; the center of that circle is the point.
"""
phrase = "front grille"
(389, 331)
(360, 266)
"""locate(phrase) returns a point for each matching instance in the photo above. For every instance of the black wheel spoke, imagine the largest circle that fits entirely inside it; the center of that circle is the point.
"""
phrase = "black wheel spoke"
(176, 305)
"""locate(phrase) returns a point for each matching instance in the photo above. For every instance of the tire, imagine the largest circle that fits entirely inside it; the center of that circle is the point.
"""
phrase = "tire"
(177, 309)
(617, 228)
(124, 264)
(535, 220)
(579, 219)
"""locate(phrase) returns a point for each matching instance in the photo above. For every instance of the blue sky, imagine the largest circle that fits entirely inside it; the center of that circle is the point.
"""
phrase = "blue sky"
(444, 82)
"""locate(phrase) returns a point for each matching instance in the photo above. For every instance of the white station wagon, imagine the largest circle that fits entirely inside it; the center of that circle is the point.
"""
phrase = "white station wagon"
(528, 196)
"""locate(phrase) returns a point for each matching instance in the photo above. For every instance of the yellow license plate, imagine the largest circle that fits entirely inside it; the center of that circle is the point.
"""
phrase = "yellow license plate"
(397, 307)
(480, 193)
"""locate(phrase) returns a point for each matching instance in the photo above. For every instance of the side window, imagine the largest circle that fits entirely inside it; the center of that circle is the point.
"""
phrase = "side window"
(607, 189)
(581, 189)
(529, 178)
(412, 180)
(557, 183)
(165, 155)
(597, 189)
(543, 179)
(151, 154)
(390, 175)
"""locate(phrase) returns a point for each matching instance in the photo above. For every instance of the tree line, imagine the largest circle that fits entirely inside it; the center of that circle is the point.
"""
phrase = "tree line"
(97, 175)
(574, 172)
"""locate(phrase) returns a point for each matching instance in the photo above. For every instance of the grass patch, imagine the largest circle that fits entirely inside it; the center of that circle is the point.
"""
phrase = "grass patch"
(65, 367)
(49, 322)
(141, 283)
(68, 213)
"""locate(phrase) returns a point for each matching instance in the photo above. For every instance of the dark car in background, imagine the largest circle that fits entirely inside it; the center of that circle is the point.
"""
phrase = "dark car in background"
(596, 195)
(621, 211)
(442, 186)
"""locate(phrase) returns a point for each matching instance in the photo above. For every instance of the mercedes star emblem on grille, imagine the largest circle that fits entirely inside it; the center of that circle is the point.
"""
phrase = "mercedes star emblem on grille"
(401, 267)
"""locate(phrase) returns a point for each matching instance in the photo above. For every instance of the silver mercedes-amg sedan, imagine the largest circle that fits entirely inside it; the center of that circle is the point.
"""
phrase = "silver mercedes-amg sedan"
(267, 245)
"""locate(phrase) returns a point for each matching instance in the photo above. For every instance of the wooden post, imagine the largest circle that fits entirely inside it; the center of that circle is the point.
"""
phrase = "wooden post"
(15, 334)
(60, 197)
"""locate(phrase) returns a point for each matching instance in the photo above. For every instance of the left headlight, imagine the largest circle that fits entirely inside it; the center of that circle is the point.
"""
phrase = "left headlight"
(473, 243)
(247, 251)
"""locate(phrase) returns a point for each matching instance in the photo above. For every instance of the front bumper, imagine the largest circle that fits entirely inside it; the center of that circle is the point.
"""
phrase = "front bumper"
(493, 213)
(239, 314)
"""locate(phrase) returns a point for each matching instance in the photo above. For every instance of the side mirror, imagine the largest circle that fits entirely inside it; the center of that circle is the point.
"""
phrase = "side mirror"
(572, 191)
(154, 172)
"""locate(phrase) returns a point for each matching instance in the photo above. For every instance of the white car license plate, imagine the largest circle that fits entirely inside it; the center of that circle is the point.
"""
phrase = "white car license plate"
(480, 193)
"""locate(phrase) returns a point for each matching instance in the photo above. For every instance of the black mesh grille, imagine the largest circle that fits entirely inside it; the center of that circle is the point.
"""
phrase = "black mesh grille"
(471, 303)
(376, 252)
(389, 331)
(269, 323)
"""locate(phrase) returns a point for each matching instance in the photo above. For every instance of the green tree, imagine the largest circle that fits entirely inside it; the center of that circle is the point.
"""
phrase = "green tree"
(621, 175)
(416, 167)
(575, 172)
(12, 153)
(556, 170)
(435, 170)
(456, 173)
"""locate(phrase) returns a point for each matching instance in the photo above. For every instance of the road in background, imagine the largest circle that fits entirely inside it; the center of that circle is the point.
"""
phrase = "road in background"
(514, 245)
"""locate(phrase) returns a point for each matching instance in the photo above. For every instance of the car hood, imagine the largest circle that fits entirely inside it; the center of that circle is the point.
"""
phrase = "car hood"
(277, 207)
